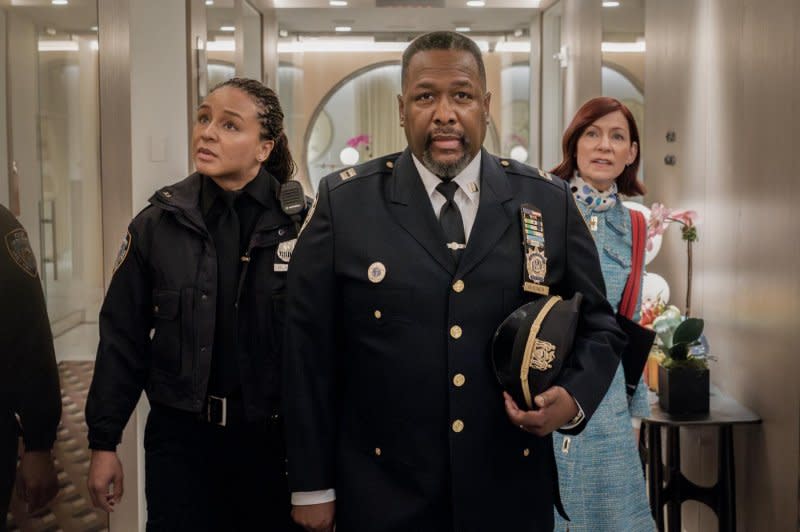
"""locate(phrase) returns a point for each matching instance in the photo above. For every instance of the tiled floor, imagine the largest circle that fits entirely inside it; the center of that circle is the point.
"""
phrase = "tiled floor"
(78, 343)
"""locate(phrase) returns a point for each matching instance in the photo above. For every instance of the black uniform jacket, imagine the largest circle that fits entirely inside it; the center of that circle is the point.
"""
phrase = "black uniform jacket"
(29, 384)
(374, 408)
(157, 320)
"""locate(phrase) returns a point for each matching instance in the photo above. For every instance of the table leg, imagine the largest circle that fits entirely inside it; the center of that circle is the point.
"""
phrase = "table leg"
(726, 481)
(673, 478)
(655, 483)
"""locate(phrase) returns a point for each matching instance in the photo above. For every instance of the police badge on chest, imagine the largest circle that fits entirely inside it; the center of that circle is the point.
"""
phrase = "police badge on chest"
(535, 268)
(283, 255)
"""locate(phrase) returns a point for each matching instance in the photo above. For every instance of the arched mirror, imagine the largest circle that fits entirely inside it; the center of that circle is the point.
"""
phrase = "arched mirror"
(358, 120)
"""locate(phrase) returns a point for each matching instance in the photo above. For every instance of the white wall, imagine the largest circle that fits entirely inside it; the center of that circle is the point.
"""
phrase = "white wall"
(725, 75)
(158, 96)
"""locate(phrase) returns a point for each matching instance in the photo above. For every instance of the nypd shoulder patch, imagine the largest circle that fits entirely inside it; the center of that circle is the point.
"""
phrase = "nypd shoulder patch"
(19, 248)
(122, 254)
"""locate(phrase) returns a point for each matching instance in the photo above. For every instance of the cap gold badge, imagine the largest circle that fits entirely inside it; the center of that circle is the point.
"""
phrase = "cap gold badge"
(376, 272)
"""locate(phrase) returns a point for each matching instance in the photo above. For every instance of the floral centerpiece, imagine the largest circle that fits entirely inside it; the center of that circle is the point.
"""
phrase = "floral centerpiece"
(682, 378)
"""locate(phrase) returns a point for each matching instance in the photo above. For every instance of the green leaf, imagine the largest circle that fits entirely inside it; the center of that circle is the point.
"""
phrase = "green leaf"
(688, 331)
(679, 351)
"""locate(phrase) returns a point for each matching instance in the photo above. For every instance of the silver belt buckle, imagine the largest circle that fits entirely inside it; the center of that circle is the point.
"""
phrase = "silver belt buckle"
(223, 401)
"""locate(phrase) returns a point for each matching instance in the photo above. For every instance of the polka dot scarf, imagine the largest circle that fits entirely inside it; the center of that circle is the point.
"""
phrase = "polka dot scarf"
(592, 198)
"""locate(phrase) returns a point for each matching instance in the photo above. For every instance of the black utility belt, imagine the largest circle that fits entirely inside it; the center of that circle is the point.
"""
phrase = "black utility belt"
(224, 411)
(230, 412)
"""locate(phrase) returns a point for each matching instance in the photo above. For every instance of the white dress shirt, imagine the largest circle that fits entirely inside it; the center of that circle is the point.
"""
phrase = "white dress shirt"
(466, 197)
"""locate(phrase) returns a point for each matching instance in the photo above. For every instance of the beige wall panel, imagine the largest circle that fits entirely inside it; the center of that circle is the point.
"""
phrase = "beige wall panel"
(582, 34)
(724, 75)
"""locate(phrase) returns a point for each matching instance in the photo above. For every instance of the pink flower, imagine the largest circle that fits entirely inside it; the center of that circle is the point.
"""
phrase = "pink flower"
(686, 217)
(658, 223)
(358, 140)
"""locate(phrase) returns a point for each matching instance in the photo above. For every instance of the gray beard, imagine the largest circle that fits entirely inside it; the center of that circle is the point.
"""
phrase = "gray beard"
(445, 171)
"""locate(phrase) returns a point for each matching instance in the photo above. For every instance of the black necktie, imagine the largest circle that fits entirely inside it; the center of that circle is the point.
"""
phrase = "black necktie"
(450, 218)
(225, 367)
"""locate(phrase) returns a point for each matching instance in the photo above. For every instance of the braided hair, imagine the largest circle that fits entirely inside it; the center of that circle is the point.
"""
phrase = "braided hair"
(270, 115)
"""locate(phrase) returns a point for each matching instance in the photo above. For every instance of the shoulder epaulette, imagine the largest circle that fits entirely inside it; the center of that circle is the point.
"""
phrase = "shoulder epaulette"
(512, 166)
(379, 165)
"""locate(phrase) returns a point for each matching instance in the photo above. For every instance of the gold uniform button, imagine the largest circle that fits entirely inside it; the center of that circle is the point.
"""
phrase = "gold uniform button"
(455, 332)
(156, 309)
(459, 380)
(458, 286)
(458, 425)
(504, 162)
(377, 451)
(389, 164)
(526, 452)
(378, 314)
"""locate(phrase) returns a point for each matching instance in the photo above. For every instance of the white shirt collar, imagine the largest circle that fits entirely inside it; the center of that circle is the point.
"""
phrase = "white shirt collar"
(468, 180)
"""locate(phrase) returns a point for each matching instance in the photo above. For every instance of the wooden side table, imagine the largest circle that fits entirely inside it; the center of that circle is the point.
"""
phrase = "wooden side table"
(666, 483)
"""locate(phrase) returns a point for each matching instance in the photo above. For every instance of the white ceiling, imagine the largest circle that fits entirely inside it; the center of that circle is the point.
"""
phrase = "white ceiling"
(316, 16)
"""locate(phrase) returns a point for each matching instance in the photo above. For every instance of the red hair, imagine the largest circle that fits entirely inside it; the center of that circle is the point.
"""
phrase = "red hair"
(589, 112)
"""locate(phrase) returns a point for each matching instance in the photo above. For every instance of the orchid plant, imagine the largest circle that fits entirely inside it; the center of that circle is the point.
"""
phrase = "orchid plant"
(677, 333)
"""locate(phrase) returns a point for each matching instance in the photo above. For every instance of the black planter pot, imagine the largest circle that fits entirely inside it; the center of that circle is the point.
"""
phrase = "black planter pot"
(683, 390)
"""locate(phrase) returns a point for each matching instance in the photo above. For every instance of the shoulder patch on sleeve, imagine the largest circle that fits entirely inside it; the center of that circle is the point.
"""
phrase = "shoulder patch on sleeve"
(19, 249)
(308, 215)
(122, 254)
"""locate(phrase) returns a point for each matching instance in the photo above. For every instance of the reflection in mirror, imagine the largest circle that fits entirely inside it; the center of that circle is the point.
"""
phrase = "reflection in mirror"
(515, 81)
(251, 42)
(221, 41)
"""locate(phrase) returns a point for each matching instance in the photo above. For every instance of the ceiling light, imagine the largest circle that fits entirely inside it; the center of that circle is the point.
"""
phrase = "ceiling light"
(513, 46)
(343, 28)
(610, 4)
(476, 3)
(58, 46)
(94, 45)
(50, 31)
(93, 28)
(227, 28)
(463, 29)
(337, 3)
(60, 2)
(283, 33)
(623, 47)
(221, 46)
(209, 2)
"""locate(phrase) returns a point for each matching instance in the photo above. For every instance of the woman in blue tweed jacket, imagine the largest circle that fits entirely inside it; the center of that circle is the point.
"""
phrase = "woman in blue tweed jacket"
(602, 486)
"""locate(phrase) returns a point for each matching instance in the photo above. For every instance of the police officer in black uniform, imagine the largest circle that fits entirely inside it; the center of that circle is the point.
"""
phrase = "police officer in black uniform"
(29, 385)
(194, 317)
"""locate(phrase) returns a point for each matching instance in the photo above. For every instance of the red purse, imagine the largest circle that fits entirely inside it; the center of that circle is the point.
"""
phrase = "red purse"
(640, 339)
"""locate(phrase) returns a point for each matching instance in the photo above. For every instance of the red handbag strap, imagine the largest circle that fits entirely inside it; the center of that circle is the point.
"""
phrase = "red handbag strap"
(627, 306)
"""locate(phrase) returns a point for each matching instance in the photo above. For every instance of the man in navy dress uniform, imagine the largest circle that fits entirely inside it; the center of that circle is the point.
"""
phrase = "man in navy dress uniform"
(407, 264)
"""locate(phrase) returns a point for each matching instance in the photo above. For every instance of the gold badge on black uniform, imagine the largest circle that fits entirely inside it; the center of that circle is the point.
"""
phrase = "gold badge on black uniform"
(19, 248)
(535, 258)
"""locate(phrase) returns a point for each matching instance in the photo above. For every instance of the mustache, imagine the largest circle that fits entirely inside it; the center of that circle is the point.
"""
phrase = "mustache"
(444, 132)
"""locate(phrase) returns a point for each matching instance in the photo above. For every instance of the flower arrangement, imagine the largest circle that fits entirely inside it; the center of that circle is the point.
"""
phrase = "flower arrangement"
(676, 333)
(358, 140)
